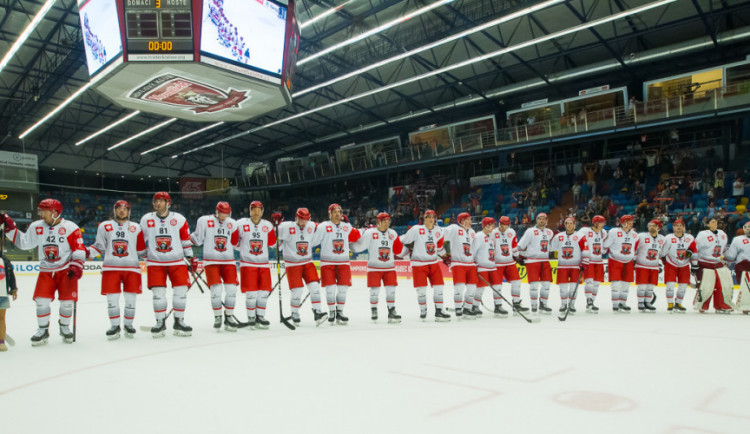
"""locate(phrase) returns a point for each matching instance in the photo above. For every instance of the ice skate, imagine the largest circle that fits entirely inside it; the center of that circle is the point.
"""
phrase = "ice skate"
(590, 308)
(129, 331)
(340, 318)
(393, 317)
(440, 316)
(476, 311)
(641, 308)
(624, 308)
(517, 307)
(113, 333)
(230, 323)
(159, 329)
(217, 323)
(262, 323)
(295, 319)
(332, 317)
(41, 337)
(66, 333)
(320, 317)
(182, 329)
(670, 307)
(544, 309)
(423, 316)
(500, 312)
(571, 308)
(649, 308)
(374, 314)
(563, 309)
(469, 314)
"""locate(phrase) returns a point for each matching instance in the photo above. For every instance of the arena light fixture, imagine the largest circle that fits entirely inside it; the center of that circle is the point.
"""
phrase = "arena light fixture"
(518, 14)
(322, 15)
(172, 142)
(142, 133)
(26, 32)
(467, 62)
(109, 127)
(376, 30)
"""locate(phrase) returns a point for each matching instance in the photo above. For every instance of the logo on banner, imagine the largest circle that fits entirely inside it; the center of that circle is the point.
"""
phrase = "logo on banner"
(220, 243)
(164, 244)
(51, 252)
(256, 247)
(176, 91)
(120, 248)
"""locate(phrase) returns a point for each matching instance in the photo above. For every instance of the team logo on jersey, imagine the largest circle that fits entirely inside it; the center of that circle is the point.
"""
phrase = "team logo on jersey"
(264, 229)
(648, 241)
(61, 231)
(256, 247)
(119, 248)
(567, 253)
(2, 273)
(246, 228)
(651, 254)
(575, 237)
(421, 231)
(626, 248)
(51, 252)
(292, 231)
(745, 241)
(302, 248)
(309, 230)
(681, 254)
(338, 246)
(393, 237)
(220, 243)
(375, 236)
(108, 228)
(597, 249)
(210, 223)
(619, 235)
(384, 254)
(429, 248)
(536, 232)
(39, 231)
(674, 240)
(491, 253)
(717, 252)
(173, 222)
(329, 229)
(505, 250)
(150, 223)
(467, 249)
(346, 228)
(132, 228)
(460, 233)
(544, 244)
(229, 226)
(710, 238)
(164, 244)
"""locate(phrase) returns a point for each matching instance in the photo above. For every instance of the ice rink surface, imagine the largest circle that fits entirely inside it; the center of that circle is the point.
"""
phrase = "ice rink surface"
(606, 373)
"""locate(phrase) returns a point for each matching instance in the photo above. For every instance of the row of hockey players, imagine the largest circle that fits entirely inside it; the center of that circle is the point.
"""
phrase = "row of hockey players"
(475, 260)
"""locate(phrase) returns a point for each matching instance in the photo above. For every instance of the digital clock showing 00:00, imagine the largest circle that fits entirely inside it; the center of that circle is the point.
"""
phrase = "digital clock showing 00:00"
(159, 45)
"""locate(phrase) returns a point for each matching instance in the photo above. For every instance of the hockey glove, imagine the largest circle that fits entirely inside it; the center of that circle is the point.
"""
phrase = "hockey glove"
(75, 270)
(194, 262)
(9, 223)
(276, 218)
(521, 260)
(447, 260)
(345, 218)
(553, 255)
(688, 254)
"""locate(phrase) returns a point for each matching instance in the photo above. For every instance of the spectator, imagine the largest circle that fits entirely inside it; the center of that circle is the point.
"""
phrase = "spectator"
(576, 193)
(738, 189)
(498, 209)
(719, 182)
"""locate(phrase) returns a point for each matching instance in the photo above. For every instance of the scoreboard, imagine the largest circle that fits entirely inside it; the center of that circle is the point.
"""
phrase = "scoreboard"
(159, 30)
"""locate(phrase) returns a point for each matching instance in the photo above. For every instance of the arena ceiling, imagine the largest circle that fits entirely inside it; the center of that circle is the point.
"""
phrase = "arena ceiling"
(453, 63)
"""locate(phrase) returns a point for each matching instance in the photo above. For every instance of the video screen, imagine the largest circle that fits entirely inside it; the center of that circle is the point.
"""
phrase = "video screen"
(247, 33)
(101, 32)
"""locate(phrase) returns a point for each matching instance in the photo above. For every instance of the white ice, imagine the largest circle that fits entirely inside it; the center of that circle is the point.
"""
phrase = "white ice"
(605, 373)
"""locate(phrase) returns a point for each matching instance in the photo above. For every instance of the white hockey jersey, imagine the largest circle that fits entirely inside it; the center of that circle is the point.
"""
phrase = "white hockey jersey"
(119, 243)
(334, 240)
(428, 244)
(167, 239)
(295, 242)
(710, 246)
(253, 242)
(675, 249)
(483, 250)
(739, 250)
(506, 246)
(594, 245)
(460, 240)
(58, 245)
(647, 250)
(569, 248)
(534, 244)
(215, 236)
(620, 245)
(382, 248)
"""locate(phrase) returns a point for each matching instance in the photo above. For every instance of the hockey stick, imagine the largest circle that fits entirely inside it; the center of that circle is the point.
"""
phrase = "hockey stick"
(10, 340)
(572, 297)
(246, 324)
(528, 320)
(148, 329)
(75, 318)
(192, 273)
(284, 320)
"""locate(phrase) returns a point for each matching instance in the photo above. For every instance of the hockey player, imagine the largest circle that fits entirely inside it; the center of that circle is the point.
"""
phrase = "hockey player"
(119, 240)
(61, 266)
(333, 237)
(676, 255)
(7, 280)
(213, 232)
(382, 244)
(534, 253)
(458, 241)
(253, 237)
(568, 246)
(592, 262)
(739, 253)
(295, 244)
(647, 250)
(483, 251)
(506, 256)
(620, 245)
(425, 242)
(168, 246)
(713, 277)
